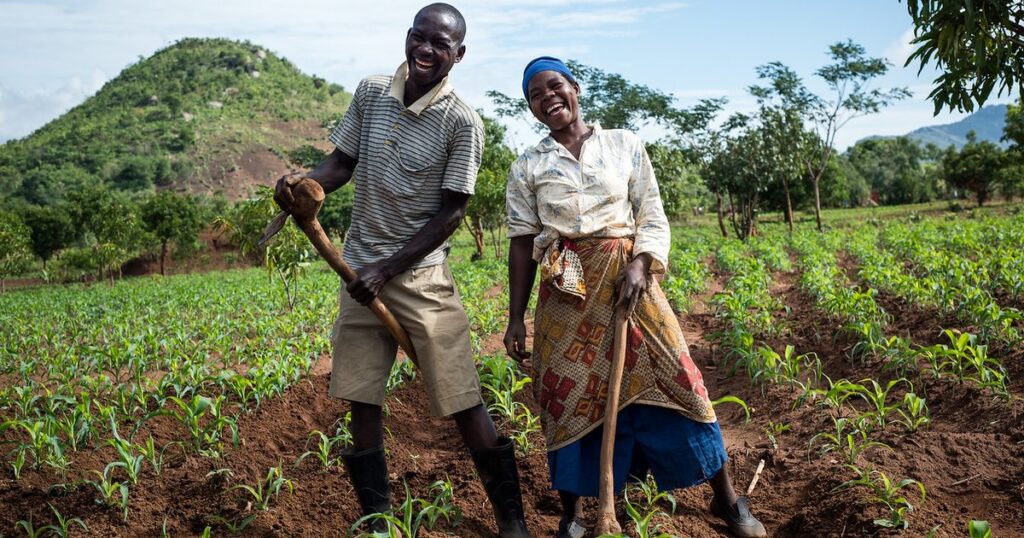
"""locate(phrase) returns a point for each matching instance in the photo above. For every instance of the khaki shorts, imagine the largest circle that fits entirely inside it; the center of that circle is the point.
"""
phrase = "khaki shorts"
(427, 304)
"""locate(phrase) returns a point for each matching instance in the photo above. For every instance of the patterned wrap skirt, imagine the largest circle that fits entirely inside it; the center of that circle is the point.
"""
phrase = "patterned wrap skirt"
(573, 337)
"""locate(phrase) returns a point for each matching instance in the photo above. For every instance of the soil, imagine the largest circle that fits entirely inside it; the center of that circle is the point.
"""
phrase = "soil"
(969, 458)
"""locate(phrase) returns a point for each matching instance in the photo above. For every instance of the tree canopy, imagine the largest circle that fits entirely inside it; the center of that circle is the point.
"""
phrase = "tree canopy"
(977, 45)
(169, 216)
(976, 167)
(15, 254)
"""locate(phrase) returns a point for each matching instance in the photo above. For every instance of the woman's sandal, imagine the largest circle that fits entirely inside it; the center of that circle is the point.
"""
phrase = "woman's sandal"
(570, 530)
(741, 522)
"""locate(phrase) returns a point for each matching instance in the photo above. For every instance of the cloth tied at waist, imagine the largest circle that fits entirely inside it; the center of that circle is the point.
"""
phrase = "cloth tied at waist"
(562, 268)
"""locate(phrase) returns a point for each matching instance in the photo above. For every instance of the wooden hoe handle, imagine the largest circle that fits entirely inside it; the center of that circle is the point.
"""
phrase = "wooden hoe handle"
(309, 197)
(606, 522)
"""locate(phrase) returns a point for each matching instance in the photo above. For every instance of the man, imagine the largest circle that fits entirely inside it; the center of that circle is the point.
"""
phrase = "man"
(414, 147)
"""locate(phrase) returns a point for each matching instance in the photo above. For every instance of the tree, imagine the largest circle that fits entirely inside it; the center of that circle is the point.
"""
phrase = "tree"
(782, 105)
(894, 168)
(486, 210)
(118, 232)
(169, 216)
(745, 169)
(51, 229)
(1013, 132)
(977, 44)
(1013, 129)
(111, 225)
(692, 130)
(678, 179)
(141, 173)
(848, 78)
(15, 254)
(976, 167)
(843, 186)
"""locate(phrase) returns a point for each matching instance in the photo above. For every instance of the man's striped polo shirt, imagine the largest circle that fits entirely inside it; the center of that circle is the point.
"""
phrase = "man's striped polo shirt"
(406, 155)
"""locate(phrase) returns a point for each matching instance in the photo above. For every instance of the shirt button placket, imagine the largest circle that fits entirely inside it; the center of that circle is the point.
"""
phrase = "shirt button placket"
(579, 196)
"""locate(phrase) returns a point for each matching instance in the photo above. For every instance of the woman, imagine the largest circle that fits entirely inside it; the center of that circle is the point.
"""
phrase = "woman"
(584, 204)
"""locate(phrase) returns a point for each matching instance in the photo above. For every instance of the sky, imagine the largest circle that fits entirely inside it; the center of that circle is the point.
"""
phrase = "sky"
(56, 53)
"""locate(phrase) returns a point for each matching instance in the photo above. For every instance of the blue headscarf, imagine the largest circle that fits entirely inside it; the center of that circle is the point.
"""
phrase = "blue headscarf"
(544, 63)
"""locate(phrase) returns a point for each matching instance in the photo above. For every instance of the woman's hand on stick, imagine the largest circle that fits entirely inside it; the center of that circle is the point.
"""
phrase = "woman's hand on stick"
(632, 281)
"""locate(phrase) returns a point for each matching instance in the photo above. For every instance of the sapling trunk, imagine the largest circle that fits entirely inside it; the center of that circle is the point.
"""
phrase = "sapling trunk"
(477, 231)
(163, 258)
(497, 244)
(718, 209)
(284, 283)
(789, 204)
(817, 199)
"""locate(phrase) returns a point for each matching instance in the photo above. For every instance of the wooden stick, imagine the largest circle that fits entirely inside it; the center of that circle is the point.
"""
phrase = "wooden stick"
(965, 480)
(757, 476)
(606, 522)
(308, 198)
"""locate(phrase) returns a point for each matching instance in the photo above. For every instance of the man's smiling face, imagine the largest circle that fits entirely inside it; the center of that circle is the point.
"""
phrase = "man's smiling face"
(432, 47)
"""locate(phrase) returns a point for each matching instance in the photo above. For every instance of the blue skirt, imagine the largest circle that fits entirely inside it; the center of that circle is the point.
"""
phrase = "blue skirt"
(679, 452)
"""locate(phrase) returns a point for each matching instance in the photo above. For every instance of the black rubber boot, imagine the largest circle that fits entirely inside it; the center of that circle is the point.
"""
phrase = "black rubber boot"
(500, 477)
(368, 471)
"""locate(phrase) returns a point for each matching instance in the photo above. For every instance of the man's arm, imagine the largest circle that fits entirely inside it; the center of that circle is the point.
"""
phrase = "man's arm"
(332, 172)
(373, 277)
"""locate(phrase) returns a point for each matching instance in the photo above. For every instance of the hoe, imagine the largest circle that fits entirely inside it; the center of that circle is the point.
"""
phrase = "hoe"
(309, 197)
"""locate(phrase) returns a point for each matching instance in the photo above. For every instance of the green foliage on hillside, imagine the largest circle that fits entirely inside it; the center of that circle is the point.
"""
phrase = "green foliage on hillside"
(158, 121)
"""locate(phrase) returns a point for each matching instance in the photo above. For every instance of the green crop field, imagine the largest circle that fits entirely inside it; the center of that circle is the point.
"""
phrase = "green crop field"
(106, 386)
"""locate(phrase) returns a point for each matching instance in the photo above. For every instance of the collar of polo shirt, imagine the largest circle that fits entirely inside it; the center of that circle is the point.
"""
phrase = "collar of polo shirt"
(442, 89)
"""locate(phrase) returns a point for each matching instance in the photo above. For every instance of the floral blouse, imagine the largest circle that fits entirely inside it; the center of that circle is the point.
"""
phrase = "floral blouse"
(610, 191)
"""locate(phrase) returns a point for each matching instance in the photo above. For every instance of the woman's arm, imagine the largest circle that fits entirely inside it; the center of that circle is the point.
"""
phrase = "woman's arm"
(521, 271)
(652, 234)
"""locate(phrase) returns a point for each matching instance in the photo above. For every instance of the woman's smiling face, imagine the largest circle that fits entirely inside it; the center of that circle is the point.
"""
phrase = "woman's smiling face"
(554, 100)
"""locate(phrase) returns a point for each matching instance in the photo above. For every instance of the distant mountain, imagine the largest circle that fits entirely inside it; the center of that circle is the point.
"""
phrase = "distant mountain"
(987, 123)
(202, 115)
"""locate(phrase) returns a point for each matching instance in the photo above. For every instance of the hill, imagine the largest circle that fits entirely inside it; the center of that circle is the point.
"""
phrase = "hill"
(202, 115)
(987, 123)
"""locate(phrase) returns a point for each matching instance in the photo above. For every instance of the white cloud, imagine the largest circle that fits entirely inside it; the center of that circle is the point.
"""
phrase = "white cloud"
(21, 113)
(900, 49)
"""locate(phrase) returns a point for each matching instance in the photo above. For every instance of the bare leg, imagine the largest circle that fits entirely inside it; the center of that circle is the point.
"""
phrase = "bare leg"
(571, 505)
(367, 426)
(476, 428)
(722, 486)
(734, 510)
